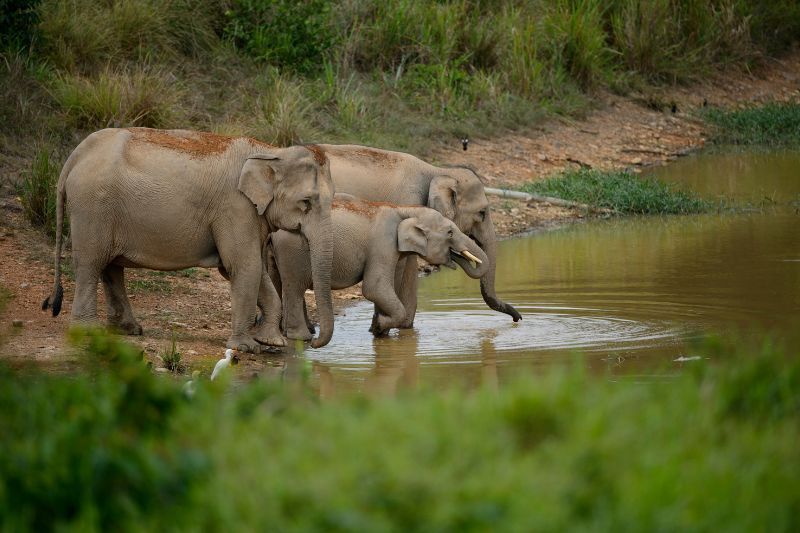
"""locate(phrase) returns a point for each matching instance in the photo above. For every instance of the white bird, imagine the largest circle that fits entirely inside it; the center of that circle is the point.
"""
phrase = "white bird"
(190, 387)
(222, 363)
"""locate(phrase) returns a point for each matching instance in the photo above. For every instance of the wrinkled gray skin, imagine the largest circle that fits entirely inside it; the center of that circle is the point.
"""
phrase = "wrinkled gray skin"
(399, 178)
(168, 200)
(369, 242)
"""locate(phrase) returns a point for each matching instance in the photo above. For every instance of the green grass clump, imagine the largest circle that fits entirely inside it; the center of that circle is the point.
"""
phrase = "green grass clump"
(771, 125)
(172, 358)
(620, 191)
(37, 189)
(715, 449)
(117, 98)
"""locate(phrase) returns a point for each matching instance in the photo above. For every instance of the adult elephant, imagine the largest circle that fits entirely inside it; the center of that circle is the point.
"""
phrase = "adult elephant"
(400, 178)
(172, 199)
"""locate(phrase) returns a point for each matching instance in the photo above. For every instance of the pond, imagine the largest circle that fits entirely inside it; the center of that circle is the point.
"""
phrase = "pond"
(629, 294)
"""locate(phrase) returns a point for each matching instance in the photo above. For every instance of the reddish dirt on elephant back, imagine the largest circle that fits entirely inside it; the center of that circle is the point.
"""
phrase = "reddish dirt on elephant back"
(194, 143)
(360, 207)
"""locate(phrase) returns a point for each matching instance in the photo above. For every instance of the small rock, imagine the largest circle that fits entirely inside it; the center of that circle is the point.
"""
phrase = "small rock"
(636, 161)
(17, 323)
(24, 285)
(542, 157)
(162, 370)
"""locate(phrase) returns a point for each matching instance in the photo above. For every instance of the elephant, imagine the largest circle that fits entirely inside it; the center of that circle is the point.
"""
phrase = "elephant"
(369, 241)
(172, 199)
(400, 178)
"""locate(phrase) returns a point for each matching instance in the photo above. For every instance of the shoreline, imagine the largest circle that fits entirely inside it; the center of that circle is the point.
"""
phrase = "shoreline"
(620, 133)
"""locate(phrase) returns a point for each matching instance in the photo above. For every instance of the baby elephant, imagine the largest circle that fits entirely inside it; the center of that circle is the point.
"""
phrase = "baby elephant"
(369, 238)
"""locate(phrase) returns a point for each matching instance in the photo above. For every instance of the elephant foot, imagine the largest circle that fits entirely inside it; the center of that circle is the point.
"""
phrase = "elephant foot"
(269, 335)
(127, 328)
(244, 343)
(382, 325)
(299, 333)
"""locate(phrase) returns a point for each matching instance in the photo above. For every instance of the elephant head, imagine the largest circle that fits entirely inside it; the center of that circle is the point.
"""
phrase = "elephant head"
(439, 241)
(292, 188)
(458, 194)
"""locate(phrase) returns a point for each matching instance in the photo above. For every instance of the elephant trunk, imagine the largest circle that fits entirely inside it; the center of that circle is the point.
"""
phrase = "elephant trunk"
(320, 243)
(484, 233)
(483, 264)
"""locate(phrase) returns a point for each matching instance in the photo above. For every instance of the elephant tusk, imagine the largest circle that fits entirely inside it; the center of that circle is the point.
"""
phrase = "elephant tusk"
(469, 255)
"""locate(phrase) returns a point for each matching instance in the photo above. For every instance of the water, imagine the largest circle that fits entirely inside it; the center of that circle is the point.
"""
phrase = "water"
(630, 294)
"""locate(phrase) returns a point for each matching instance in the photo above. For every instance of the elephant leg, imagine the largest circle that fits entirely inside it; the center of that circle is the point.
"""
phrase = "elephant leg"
(389, 310)
(294, 306)
(406, 279)
(269, 331)
(243, 263)
(120, 313)
(84, 305)
(311, 326)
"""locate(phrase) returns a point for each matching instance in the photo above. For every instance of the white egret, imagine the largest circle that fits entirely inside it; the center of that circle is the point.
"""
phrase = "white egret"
(222, 363)
(190, 387)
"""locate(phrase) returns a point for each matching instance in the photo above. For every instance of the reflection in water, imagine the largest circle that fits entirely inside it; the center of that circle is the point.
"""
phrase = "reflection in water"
(627, 293)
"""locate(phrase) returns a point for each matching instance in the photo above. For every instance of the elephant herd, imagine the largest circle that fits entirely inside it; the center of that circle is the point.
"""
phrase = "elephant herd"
(269, 220)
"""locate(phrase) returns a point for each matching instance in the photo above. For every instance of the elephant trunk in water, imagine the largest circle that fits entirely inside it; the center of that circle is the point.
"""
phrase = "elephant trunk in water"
(485, 235)
(320, 243)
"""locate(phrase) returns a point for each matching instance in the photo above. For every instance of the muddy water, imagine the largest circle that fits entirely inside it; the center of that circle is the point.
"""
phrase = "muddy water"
(630, 294)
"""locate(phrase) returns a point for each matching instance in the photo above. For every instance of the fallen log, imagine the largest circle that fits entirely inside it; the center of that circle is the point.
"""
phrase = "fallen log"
(528, 197)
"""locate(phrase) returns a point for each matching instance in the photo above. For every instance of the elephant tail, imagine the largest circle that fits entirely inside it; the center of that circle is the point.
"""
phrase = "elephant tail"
(56, 297)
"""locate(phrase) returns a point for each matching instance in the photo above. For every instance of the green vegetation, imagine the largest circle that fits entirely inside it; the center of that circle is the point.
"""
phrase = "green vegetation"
(150, 281)
(715, 449)
(772, 125)
(620, 191)
(37, 189)
(172, 357)
(397, 74)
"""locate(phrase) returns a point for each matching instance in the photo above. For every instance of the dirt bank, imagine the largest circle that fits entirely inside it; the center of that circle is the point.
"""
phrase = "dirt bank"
(621, 132)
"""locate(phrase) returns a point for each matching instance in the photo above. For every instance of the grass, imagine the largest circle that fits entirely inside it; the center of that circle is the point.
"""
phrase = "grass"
(712, 450)
(620, 191)
(143, 97)
(770, 125)
(150, 281)
(172, 357)
(37, 189)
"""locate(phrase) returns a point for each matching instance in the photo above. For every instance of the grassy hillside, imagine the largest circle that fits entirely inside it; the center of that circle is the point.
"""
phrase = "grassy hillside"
(398, 73)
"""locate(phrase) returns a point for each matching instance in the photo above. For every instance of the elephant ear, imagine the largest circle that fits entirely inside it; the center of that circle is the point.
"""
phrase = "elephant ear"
(257, 181)
(442, 196)
(411, 237)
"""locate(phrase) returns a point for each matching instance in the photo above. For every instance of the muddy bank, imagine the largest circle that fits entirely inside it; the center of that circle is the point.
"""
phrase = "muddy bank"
(622, 132)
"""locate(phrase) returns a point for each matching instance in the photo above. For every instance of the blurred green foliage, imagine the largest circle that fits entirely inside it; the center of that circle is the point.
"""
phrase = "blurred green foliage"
(119, 448)
(37, 189)
(621, 191)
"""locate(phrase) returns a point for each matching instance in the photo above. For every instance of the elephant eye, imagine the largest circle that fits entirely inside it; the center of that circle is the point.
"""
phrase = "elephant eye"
(449, 233)
(482, 214)
(305, 205)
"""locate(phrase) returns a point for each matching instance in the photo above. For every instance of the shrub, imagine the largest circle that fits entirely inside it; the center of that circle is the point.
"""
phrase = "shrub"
(37, 189)
(291, 34)
(118, 98)
(281, 114)
(620, 191)
(85, 34)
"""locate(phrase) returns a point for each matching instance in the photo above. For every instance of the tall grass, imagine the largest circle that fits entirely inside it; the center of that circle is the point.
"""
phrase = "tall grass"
(621, 191)
(142, 97)
(37, 189)
(715, 449)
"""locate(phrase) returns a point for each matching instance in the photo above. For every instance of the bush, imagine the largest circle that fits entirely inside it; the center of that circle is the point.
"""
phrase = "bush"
(118, 448)
(85, 35)
(286, 33)
(93, 453)
(118, 98)
(772, 124)
(37, 189)
(620, 191)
